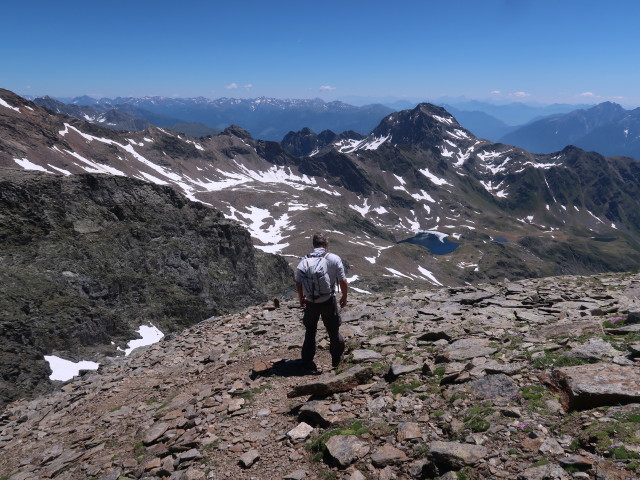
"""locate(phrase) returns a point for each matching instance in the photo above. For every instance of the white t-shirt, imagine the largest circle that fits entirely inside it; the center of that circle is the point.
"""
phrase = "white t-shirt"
(335, 269)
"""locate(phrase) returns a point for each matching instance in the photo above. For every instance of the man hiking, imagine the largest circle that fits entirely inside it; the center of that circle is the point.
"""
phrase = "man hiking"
(316, 278)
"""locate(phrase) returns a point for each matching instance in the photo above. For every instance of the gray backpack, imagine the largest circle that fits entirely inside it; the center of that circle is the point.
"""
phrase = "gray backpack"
(314, 273)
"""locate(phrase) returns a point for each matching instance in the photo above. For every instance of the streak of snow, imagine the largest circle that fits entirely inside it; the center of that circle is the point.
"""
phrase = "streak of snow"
(347, 145)
(459, 134)
(429, 275)
(545, 166)
(396, 273)
(359, 290)
(5, 104)
(447, 121)
(445, 152)
(423, 196)
(435, 180)
(61, 170)
(373, 144)
(380, 210)
(27, 165)
(362, 210)
(95, 167)
(494, 189)
(590, 213)
(400, 179)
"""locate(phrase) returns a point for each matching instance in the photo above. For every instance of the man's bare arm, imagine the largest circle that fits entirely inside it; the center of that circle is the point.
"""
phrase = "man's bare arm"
(344, 286)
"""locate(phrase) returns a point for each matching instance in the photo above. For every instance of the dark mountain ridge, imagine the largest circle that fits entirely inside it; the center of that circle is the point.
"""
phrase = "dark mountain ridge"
(606, 128)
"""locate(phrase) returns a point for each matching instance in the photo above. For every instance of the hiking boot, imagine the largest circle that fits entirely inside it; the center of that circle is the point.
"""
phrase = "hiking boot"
(309, 368)
(335, 361)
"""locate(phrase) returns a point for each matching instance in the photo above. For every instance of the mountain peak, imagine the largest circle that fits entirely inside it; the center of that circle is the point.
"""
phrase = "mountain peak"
(237, 131)
(424, 123)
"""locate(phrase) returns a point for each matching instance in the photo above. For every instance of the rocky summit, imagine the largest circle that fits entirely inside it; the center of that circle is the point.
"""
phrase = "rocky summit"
(535, 379)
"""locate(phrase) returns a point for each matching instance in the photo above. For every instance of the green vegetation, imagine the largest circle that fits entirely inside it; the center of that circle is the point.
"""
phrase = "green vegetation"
(167, 401)
(139, 451)
(534, 398)
(465, 474)
(552, 360)
(250, 395)
(476, 418)
(609, 438)
(614, 322)
(318, 445)
(404, 386)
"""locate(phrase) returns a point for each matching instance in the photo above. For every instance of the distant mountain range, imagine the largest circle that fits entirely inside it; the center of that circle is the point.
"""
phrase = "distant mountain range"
(264, 118)
(272, 119)
(606, 128)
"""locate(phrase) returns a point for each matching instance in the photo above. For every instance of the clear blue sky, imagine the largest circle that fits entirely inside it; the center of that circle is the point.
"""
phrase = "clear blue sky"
(574, 51)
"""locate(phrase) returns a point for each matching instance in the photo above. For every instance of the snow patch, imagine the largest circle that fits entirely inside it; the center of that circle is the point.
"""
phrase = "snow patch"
(435, 180)
(27, 165)
(6, 105)
(64, 370)
(429, 275)
(150, 335)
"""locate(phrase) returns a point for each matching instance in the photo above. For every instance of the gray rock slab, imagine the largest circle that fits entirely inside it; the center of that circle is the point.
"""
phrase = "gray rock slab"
(455, 455)
(297, 475)
(545, 472)
(595, 385)
(594, 349)
(316, 412)
(398, 370)
(335, 383)
(300, 432)
(388, 455)
(623, 330)
(571, 329)
(408, 431)
(494, 386)
(155, 432)
(249, 458)
(346, 449)
(493, 366)
(468, 348)
(360, 356)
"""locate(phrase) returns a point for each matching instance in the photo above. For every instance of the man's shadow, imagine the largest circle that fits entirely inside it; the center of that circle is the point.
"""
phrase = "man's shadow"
(286, 368)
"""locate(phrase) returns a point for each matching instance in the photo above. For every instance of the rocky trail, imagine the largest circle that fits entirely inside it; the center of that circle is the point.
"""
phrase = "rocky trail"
(536, 379)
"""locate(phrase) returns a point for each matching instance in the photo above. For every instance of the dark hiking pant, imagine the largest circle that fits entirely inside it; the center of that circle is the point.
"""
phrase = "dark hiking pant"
(331, 319)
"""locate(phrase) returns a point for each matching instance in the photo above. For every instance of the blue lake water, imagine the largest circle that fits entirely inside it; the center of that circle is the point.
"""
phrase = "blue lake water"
(433, 243)
(500, 240)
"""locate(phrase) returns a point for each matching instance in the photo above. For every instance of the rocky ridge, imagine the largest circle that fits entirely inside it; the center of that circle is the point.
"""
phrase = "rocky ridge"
(87, 259)
(530, 380)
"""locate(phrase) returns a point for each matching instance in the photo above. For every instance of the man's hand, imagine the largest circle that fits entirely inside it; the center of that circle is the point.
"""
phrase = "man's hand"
(343, 301)
(303, 302)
